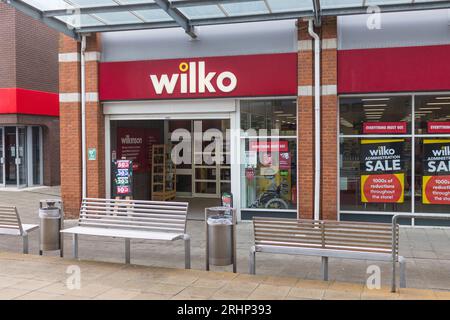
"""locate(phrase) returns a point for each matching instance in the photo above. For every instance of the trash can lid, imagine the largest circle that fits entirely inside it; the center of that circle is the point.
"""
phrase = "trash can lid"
(49, 213)
(219, 220)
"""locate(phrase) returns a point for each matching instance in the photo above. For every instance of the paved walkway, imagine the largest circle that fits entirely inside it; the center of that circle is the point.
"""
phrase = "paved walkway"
(427, 251)
(47, 278)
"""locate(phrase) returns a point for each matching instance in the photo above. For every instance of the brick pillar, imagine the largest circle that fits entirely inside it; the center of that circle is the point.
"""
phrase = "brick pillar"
(70, 120)
(305, 120)
(95, 132)
(329, 105)
(328, 205)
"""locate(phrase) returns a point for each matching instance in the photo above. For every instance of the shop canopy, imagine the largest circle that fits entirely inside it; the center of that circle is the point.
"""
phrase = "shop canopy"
(77, 17)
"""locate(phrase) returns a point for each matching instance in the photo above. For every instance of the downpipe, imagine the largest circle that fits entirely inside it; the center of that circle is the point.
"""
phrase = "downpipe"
(83, 116)
(317, 119)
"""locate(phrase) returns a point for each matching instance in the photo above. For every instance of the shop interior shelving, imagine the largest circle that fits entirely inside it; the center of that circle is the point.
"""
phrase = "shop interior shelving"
(163, 174)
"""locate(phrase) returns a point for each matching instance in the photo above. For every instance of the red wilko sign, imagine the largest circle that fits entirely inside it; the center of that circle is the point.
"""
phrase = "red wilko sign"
(268, 146)
(384, 127)
(231, 76)
(439, 127)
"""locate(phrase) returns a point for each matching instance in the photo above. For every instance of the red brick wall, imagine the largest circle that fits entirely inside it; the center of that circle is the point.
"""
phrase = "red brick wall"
(37, 55)
(71, 162)
(329, 114)
(28, 52)
(7, 47)
(329, 148)
(70, 118)
(305, 129)
(95, 126)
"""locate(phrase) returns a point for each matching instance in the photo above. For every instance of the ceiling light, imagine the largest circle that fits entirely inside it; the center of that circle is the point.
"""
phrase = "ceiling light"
(375, 110)
(442, 98)
(438, 103)
(374, 105)
(430, 108)
(376, 99)
(279, 111)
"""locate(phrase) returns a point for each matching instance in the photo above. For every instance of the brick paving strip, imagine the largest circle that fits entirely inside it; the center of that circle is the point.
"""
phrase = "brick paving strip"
(45, 278)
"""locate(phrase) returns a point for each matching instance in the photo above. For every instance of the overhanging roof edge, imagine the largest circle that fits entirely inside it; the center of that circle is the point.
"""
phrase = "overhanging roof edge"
(37, 14)
(388, 8)
(179, 19)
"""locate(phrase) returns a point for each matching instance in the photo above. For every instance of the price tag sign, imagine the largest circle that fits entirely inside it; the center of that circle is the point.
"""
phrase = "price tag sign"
(123, 178)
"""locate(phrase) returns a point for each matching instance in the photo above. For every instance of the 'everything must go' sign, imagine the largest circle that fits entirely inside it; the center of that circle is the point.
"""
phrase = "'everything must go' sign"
(382, 176)
(436, 171)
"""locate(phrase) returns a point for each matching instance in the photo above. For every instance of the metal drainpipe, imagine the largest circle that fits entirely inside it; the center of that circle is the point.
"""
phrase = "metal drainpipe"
(83, 115)
(317, 96)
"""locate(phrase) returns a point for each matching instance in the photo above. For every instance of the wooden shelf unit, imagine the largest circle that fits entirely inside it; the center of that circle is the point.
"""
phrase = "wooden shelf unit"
(164, 179)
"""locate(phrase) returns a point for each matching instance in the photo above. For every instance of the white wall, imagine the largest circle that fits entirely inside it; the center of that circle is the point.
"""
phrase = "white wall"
(402, 29)
(217, 40)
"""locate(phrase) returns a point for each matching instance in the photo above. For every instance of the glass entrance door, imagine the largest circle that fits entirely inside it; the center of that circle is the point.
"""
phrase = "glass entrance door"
(21, 159)
(14, 156)
(211, 170)
(2, 156)
(10, 156)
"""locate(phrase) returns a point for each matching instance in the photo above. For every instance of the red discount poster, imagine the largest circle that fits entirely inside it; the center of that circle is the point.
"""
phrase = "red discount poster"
(382, 171)
(285, 160)
(436, 171)
(436, 190)
(383, 188)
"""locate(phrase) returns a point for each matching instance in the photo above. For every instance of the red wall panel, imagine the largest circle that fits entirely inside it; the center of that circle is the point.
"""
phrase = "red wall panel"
(424, 68)
(257, 75)
(21, 101)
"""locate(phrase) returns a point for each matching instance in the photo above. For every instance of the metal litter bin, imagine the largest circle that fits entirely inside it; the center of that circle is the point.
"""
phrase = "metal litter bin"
(220, 237)
(51, 221)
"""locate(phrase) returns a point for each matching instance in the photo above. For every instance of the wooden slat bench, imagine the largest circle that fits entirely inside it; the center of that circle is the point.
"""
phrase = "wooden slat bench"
(132, 219)
(10, 224)
(326, 239)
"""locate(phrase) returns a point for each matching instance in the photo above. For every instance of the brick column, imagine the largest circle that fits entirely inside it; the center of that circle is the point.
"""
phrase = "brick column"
(95, 132)
(305, 120)
(329, 120)
(329, 114)
(70, 122)
(70, 119)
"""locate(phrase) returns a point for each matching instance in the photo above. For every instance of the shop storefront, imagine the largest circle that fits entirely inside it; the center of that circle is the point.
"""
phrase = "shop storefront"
(394, 155)
(21, 156)
(370, 142)
(394, 119)
(230, 124)
(29, 104)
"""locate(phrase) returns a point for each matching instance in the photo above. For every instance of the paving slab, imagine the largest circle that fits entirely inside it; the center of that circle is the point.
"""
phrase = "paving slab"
(129, 282)
(427, 252)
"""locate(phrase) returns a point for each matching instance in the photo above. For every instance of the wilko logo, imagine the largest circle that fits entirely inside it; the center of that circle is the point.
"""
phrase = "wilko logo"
(444, 151)
(129, 140)
(382, 151)
(257, 75)
(194, 78)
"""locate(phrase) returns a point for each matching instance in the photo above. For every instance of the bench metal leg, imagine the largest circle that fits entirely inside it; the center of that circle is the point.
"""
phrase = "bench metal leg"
(127, 251)
(187, 251)
(402, 263)
(75, 246)
(252, 261)
(25, 243)
(324, 268)
(41, 252)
